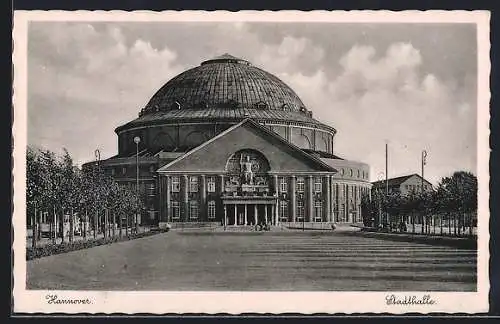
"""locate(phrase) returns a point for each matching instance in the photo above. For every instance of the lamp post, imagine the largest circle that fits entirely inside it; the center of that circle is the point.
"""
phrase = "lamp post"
(137, 140)
(380, 177)
(424, 156)
(424, 162)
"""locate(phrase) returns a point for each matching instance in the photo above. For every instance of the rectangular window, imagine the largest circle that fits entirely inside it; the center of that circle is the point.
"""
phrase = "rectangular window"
(176, 212)
(176, 184)
(193, 210)
(300, 210)
(317, 185)
(283, 185)
(211, 210)
(283, 211)
(318, 211)
(300, 184)
(193, 184)
(211, 184)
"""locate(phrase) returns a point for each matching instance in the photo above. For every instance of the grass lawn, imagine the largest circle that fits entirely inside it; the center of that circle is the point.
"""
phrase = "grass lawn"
(286, 261)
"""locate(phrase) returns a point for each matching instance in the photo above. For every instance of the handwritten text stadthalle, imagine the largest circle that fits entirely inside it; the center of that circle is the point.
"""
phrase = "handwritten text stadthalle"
(409, 300)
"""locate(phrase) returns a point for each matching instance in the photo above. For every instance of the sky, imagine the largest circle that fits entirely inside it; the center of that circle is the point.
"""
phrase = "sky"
(412, 86)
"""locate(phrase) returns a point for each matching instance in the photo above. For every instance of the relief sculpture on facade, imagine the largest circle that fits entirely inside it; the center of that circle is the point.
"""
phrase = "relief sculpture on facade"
(247, 171)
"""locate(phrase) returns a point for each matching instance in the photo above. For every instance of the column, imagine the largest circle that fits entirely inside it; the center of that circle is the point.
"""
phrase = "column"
(161, 198)
(293, 198)
(255, 216)
(310, 198)
(185, 198)
(274, 210)
(246, 220)
(222, 184)
(235, 215)
(276, 188)
(333, 197)
(168, 204)
(327, 197)
(203, 204)
(265, 213)
(225, 215)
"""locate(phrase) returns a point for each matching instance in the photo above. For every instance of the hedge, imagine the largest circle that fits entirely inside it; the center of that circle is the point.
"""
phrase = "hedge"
(51, 249)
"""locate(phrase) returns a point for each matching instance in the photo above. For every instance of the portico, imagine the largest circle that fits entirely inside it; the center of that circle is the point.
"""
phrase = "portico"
(250, 210)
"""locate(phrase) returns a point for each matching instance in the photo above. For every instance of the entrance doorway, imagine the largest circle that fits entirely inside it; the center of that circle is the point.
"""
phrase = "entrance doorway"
(249, 214)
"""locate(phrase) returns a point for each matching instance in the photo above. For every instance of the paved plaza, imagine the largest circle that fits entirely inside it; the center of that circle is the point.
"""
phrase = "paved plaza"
(279, 261)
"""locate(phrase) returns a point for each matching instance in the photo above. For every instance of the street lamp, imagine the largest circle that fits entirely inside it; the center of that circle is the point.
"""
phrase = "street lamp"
(137, 140)
(381, 219)
(424, 162)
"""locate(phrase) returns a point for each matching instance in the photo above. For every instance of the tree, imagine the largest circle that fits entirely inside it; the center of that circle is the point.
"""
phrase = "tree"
(369, 210)
(459, 193)
(55, 184)
(34, 190)
(69, 190)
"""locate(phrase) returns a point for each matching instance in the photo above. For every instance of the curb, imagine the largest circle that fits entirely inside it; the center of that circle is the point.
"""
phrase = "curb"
(464, 243)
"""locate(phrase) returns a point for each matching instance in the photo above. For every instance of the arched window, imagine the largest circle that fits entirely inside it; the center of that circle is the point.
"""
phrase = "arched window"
(261, 105)
(163, 141)
(302, 141)
(194, 139)
(259, 163)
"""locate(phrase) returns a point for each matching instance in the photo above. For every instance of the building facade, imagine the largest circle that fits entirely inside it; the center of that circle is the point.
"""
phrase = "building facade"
(230, 143)
(404, 185)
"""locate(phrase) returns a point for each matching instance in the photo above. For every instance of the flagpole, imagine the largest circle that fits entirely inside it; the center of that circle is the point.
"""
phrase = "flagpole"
(386, 171)
(386, 179)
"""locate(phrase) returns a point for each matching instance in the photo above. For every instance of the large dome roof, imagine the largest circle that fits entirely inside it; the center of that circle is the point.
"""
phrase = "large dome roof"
(224, 89)
(225, 82)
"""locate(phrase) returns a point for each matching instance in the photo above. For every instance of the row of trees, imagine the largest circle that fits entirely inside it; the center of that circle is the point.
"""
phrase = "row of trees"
(56, 187)
(451, 207)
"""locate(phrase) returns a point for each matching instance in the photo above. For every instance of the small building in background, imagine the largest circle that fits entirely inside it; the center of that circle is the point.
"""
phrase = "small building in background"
(403, 185)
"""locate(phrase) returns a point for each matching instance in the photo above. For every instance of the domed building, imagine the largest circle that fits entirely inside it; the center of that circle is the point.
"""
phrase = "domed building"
(227, 142)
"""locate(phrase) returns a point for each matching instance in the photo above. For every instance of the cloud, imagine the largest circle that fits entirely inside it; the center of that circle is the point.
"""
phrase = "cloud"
(372, 83)
(383, 98)
(86, 72)
(291, 53)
